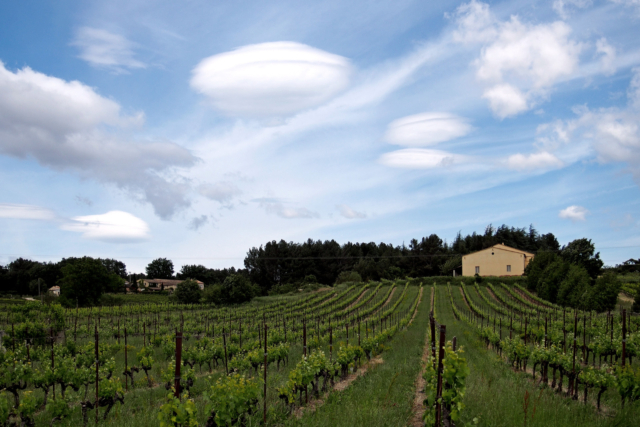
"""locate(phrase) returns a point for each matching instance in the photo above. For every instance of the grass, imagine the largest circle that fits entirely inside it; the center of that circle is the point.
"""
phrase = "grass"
(384, 396)
(496, 394)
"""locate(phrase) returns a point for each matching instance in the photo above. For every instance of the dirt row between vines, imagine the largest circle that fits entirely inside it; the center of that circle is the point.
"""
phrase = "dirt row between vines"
(358, 300)
(418, 401)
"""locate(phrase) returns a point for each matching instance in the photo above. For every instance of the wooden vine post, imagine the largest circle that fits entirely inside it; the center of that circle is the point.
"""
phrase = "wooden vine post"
(126, 368)
(432, 325)
(97, 373)
(443, 329)
(264, 411)
(624, 336)
(178, 362)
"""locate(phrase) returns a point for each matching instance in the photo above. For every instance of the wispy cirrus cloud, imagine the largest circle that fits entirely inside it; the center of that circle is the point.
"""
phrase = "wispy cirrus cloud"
(15, 211)
(350, 213)
(278, 207)
(104, 49)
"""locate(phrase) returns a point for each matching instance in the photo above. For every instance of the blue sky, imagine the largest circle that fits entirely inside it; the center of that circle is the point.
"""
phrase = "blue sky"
(196, 130)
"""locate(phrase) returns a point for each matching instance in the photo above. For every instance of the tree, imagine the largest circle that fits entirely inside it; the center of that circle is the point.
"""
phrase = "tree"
(581, 252)
(160, 268)
(237, 289)
(348, 276)
(574, 288)
(550, 280)
(636, 302)
(536, 267)
(213, 294)
(188, 292)
(115, 266)
(451, 264)
(603, 296)
(83, 282)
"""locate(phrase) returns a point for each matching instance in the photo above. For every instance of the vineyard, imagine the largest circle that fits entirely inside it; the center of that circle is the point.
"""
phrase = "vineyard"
(379, 354)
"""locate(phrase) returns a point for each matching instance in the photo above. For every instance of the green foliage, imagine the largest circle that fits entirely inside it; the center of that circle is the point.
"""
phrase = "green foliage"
(454, 375)
(27, 407)
(628, 382)
(603, 296)
(230, 398)
(188, 292)
(59, 408)
(574, 288)
(451, 264)
(348, 277)
(636, 302)
(583, 252)
(160, 268)
(551, 278)
(176, 413)
(236, 289)
(5, 408)
(84, 281)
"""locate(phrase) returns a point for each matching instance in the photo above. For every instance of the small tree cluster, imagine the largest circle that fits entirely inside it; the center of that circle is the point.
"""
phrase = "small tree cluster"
(572, 278)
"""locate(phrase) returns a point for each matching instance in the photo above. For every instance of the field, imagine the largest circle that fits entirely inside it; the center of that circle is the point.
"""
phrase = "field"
(367, 347)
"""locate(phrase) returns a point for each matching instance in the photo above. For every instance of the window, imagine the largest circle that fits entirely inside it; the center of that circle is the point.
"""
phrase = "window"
(477, 270)
(508, 269)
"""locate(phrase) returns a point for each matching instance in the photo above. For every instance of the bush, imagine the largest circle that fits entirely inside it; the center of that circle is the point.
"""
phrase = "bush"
(636, 302)
(111, 300)
(235, 289)
(574, 288)
(188, 292)
(603, 296)
(348, 276)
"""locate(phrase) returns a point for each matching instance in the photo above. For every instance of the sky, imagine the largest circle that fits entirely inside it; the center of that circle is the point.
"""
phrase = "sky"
(196, 130)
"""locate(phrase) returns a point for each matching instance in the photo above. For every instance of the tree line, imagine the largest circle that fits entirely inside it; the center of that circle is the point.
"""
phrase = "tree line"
(561, 275)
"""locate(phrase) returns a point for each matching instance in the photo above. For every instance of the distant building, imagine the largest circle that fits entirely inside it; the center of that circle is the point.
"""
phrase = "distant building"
(55, 290)
(169, 285)
(497, 260)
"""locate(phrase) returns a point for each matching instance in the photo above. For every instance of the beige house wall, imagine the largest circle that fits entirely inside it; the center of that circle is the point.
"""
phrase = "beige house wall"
(494, 261)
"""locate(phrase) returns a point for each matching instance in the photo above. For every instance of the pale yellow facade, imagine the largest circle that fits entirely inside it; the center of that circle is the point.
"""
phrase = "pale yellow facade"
(498, 260)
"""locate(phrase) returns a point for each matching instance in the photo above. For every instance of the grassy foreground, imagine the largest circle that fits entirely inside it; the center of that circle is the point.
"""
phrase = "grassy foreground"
(384, 396)
(496, 394)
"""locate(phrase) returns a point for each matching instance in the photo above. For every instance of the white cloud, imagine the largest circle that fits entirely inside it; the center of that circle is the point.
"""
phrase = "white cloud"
(426, 129)
(62, 125)
(476, 23)
(607, 56)
(420, 158)
(349, 213)
(275, 206)
(564, 7)
(8, 210)
(536, 161)
(104, 49)
(520, 61)
(113, 226)
(612, 133)
(271, 79)
(222, 191)
(506, 100)
(574, 213)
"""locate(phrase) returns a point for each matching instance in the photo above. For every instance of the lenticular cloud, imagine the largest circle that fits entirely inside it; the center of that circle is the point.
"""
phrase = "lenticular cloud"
(271, 79)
